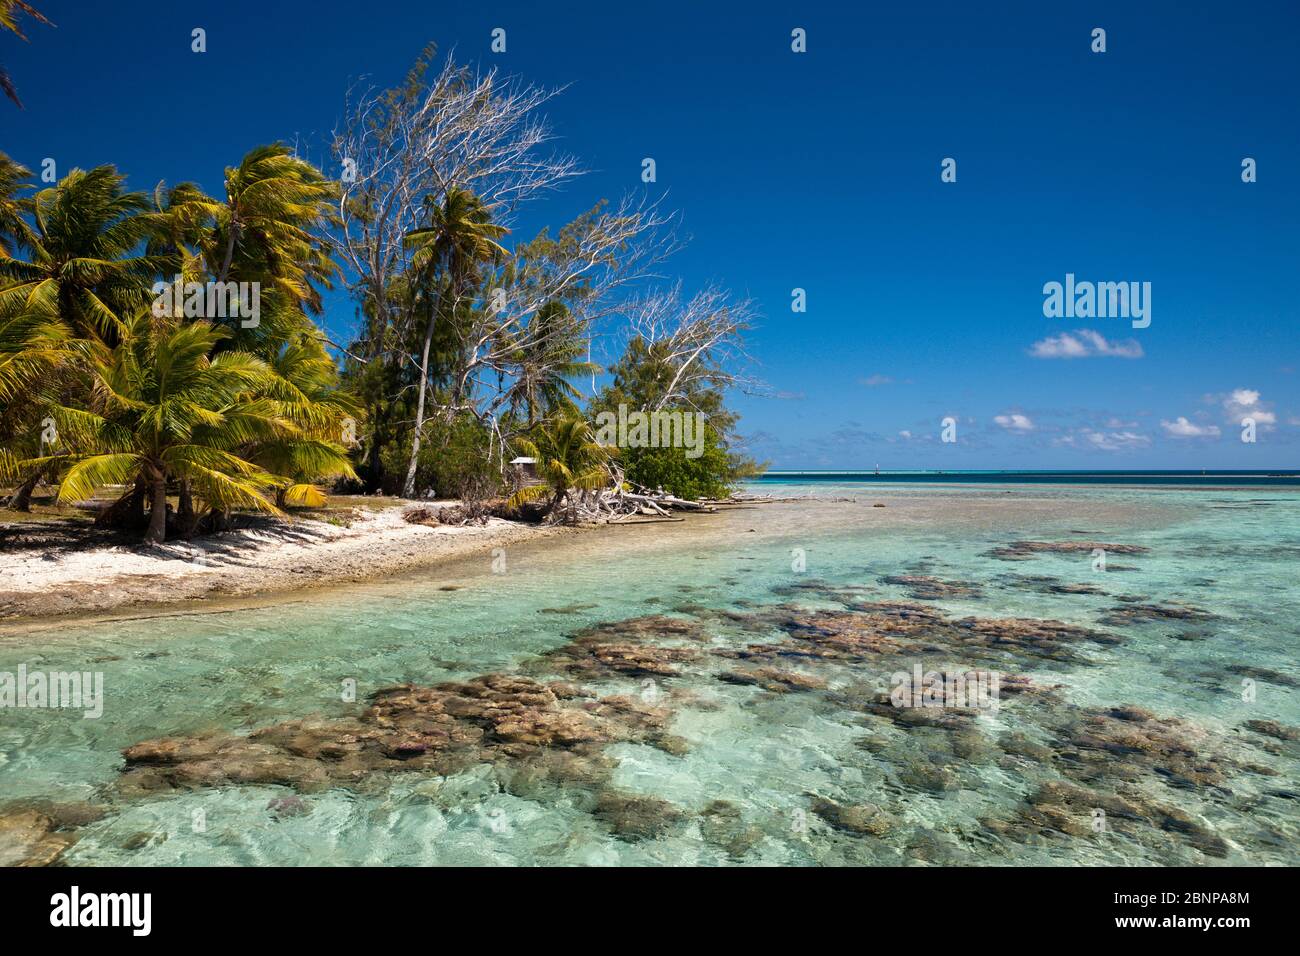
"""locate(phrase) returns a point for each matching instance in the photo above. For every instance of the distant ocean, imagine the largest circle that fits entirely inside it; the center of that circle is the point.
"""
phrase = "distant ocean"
(1208, 478)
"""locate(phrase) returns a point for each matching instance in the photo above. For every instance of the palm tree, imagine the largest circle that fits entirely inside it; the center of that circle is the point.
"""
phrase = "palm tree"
(83, 264)
(551, 353)
(225, 413)
(165, 409)
(305, 388)
(273, 199)
(568, 459)
(35, 351)
(260, 232)
(184, 222)
(446, 257)
(14, 231)
(32, 342)
(9, 10)
(459, 236)
(32, 346)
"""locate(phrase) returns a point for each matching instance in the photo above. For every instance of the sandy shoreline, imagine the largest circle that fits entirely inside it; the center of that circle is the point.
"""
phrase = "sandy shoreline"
(39, 582)
(52, 576)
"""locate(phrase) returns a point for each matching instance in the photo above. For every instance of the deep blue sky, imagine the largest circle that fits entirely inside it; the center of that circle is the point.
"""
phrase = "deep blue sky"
(821, 171)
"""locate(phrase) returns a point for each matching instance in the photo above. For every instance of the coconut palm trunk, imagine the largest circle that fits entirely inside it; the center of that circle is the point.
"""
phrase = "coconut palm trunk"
(461, 235)
(185, 508)
(230, 252)
(556, 500)
(22, 499)
(157, 532)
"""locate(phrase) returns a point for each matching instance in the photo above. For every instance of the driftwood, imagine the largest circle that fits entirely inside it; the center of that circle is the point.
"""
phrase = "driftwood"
(668, 501)
(618, 505)
(624, 503)
(621, 504)
(627, 503)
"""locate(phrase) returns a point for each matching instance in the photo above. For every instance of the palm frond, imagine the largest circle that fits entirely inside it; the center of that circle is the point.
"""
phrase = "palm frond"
(88, 475)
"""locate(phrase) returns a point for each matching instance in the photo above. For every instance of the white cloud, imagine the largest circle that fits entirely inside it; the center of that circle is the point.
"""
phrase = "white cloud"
(905, 434)
(1245, 403)
(1084, 343)
(1015, 422)
(871, 381)
(1115, 441)
(1180, 427)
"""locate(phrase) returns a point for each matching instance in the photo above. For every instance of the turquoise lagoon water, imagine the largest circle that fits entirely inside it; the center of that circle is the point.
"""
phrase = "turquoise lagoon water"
(767, 759)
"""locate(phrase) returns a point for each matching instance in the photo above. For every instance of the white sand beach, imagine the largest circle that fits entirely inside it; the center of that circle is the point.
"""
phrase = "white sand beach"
(39, 579)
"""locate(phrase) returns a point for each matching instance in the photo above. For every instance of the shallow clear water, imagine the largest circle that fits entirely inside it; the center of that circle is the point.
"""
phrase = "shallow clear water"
(766, 756)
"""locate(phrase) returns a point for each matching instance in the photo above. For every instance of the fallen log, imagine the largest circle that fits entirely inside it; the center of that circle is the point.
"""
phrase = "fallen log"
(669, 501)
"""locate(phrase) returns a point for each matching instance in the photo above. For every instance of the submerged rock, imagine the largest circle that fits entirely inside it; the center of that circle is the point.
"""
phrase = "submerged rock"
(862, 633)
(622, 647)
(773, 679)
(1262, 673)
(863, 819)
(646, 627)
(289, 806)
(567, 690)
(30, 837)
(1137, 612)
(1053, 640)
(1059, 808)
(138, 841)
(931, 846)
(869, 631)
(1044, 584)
(1143, 744)
(1271, 728)
(215, 761)
(641, 720)
(64, 816)
(923, 587)
(1019, 745)
(442, 729)
(722, 824)
(542, 738)
(591, 657)
(839, 593)
(634, 818)
(1025, 550)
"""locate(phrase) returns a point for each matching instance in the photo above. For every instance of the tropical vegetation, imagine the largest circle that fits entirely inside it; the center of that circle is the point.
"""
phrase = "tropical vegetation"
(10, 13)
(172, 354)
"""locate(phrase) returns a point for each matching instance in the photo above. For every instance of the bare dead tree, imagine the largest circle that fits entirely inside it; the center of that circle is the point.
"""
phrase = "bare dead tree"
(699, 339)
(399, 150)
(588, 267)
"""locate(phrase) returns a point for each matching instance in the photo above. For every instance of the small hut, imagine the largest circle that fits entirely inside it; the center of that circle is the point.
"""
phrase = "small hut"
(523, 471)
